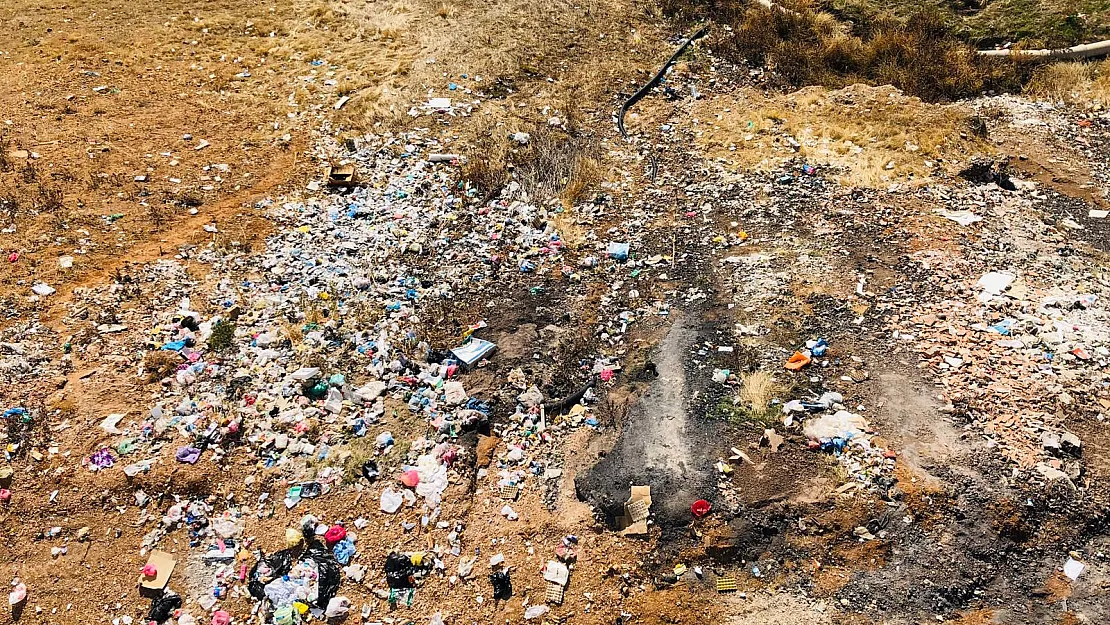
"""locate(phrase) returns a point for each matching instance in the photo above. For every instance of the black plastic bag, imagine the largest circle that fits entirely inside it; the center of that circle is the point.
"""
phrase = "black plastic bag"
(328, 568)
(502, 585)
(399, 571)
(279, 562)
(370, 470)
(161, 609)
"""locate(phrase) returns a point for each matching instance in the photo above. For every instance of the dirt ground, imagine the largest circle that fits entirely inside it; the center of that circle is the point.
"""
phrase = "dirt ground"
(137, 133)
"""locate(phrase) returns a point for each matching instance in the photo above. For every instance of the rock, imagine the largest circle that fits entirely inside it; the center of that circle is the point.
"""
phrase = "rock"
(486, 446)
(1070, 442)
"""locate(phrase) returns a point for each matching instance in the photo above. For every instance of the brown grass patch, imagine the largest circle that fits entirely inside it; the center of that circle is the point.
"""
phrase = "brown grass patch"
(803, 45)
(1073, 82)
(872, 135)
(757, 390)
(160, 365)
(550, 163)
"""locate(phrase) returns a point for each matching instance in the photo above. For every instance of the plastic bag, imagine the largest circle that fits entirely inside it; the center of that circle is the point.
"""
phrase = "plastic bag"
(842, 424)
(370, 470)
(343, 550)
(466, 566)
(338, 606)
(391, 500)
(502, 585)
(535, 611)
(330, 576)
(18, 594)
(161, 609)
(399, 571)
(267, 569)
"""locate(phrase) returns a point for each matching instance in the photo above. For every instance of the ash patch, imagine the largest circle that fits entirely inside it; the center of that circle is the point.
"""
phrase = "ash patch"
(660, 444)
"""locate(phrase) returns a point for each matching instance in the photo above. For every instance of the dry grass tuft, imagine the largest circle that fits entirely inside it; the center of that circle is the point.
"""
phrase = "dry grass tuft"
(159, 365)
(1074, 82)
(552, 163)
(586, 174)
(757, 390)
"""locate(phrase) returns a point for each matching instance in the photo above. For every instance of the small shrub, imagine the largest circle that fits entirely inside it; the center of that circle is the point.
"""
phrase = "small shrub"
(30, 173)
(9, 204)
(222, 338)
(922, 55)
(757, 390)
(552, 163)
(5, 154)
(160, 364)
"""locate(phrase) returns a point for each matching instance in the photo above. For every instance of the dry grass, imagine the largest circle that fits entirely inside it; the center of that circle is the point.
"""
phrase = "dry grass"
(757, 390)
(552, 163)
(1075, 82)
(873, 135)
(159, 365)
(920, 55)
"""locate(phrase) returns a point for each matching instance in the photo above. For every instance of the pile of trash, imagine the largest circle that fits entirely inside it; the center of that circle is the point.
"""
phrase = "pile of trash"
(308, 347)
(830, 427)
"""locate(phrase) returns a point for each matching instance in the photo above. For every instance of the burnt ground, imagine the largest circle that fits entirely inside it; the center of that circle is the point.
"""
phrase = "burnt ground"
(957, 533)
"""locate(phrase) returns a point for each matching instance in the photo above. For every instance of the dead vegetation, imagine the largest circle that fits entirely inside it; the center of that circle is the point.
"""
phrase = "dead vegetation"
(547, 162)
(1076, 82)
(757, 390)
(872, 136)
(753, 403)
(805, 45)
(159, 365)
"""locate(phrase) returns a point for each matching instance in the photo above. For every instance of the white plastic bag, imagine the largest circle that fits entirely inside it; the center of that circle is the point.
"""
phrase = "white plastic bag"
(535, 611)
(337, 606)
(391, 500)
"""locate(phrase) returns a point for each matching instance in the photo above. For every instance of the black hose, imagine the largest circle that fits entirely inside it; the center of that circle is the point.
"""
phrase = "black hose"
(561, 405)
(639, 95)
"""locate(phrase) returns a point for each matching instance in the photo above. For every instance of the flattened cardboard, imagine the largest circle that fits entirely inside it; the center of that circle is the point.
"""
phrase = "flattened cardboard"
(634, 521)
(164, 563)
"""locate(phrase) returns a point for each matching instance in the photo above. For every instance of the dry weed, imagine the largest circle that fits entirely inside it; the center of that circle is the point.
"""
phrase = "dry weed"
(757, 390)
(873, 134)
(551, 163)
(159, 365)
(6, 163)
(585, 175)
(921, 55)
(9, 205)
(1073, 82)
(445, 11)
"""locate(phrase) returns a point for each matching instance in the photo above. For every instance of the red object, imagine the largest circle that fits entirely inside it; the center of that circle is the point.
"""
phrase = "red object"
(410, 478)
(700, 508)
(606, 375)
(221, 618)
(150, 571)
(5, 495)
(334, 534)
(14, 256)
